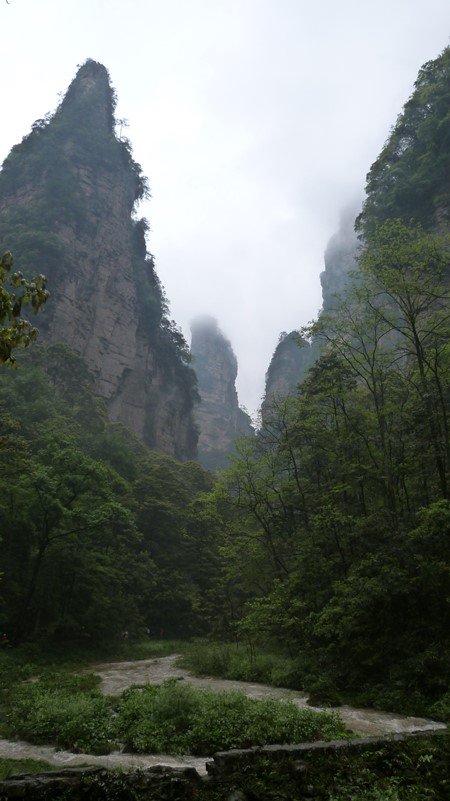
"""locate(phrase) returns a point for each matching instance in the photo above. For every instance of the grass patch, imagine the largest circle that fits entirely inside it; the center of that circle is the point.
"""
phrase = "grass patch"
(31, 660)
(391, 790)
(142, 649)
(66, 711)
(174, 718)
(178, 718)
(393, 699)
(22, 661)
(237, 662)
(12, 767)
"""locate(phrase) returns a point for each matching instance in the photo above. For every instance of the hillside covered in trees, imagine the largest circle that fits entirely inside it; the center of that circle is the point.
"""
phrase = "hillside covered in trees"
(338, 513)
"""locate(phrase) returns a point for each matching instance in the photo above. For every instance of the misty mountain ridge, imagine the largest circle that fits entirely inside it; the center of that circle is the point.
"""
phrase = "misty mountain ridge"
(408, 181)
(68, 194)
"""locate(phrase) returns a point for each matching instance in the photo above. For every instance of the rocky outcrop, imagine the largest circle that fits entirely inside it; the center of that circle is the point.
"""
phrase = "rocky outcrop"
(340, 258)
(219, 417)
(293, 355)
(290, 362)
(67, 196)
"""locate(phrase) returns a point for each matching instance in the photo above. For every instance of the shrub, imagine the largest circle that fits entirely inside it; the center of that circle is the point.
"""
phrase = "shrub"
(236, 662)
(178, 718)
(323, 692)
(156, 719)
(64, 710)
(441, 709)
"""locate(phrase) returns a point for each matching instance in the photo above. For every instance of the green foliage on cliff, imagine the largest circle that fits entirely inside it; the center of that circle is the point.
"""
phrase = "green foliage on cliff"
(288, 366)
(79, 136)
(15, 293)
(410, 177)
(42, 176)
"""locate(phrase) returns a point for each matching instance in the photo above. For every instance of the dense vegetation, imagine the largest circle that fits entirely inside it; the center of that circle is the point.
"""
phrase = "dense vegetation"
(338, 514)
(16, 292)
(71, 712)
(99, 535)
(410, 178)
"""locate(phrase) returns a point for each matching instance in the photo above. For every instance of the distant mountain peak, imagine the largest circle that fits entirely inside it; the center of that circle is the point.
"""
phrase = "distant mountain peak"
(90, 96)
(219, 416)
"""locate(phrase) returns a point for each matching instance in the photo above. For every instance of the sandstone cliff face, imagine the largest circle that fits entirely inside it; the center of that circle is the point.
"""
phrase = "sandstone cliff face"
(219, 417)
(67, 194)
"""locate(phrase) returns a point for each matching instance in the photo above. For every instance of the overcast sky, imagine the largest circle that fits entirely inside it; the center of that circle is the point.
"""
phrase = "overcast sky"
(256, 122)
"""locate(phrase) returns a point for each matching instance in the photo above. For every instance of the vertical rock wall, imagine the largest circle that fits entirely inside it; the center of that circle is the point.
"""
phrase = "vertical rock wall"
(67, 195)
(219, 417)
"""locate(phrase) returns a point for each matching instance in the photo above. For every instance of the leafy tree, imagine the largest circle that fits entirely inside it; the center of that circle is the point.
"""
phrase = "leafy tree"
(69, 546)
(98, 534)
(15, 293)
(405, 270)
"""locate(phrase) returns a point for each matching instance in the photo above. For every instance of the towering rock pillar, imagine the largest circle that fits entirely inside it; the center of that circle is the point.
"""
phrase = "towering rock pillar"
(289, 364)
(340, 258)
(67, 194)
(219, 417)
(293, 356)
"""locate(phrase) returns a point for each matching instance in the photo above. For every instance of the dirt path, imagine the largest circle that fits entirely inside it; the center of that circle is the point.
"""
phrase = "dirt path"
(117, 676)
